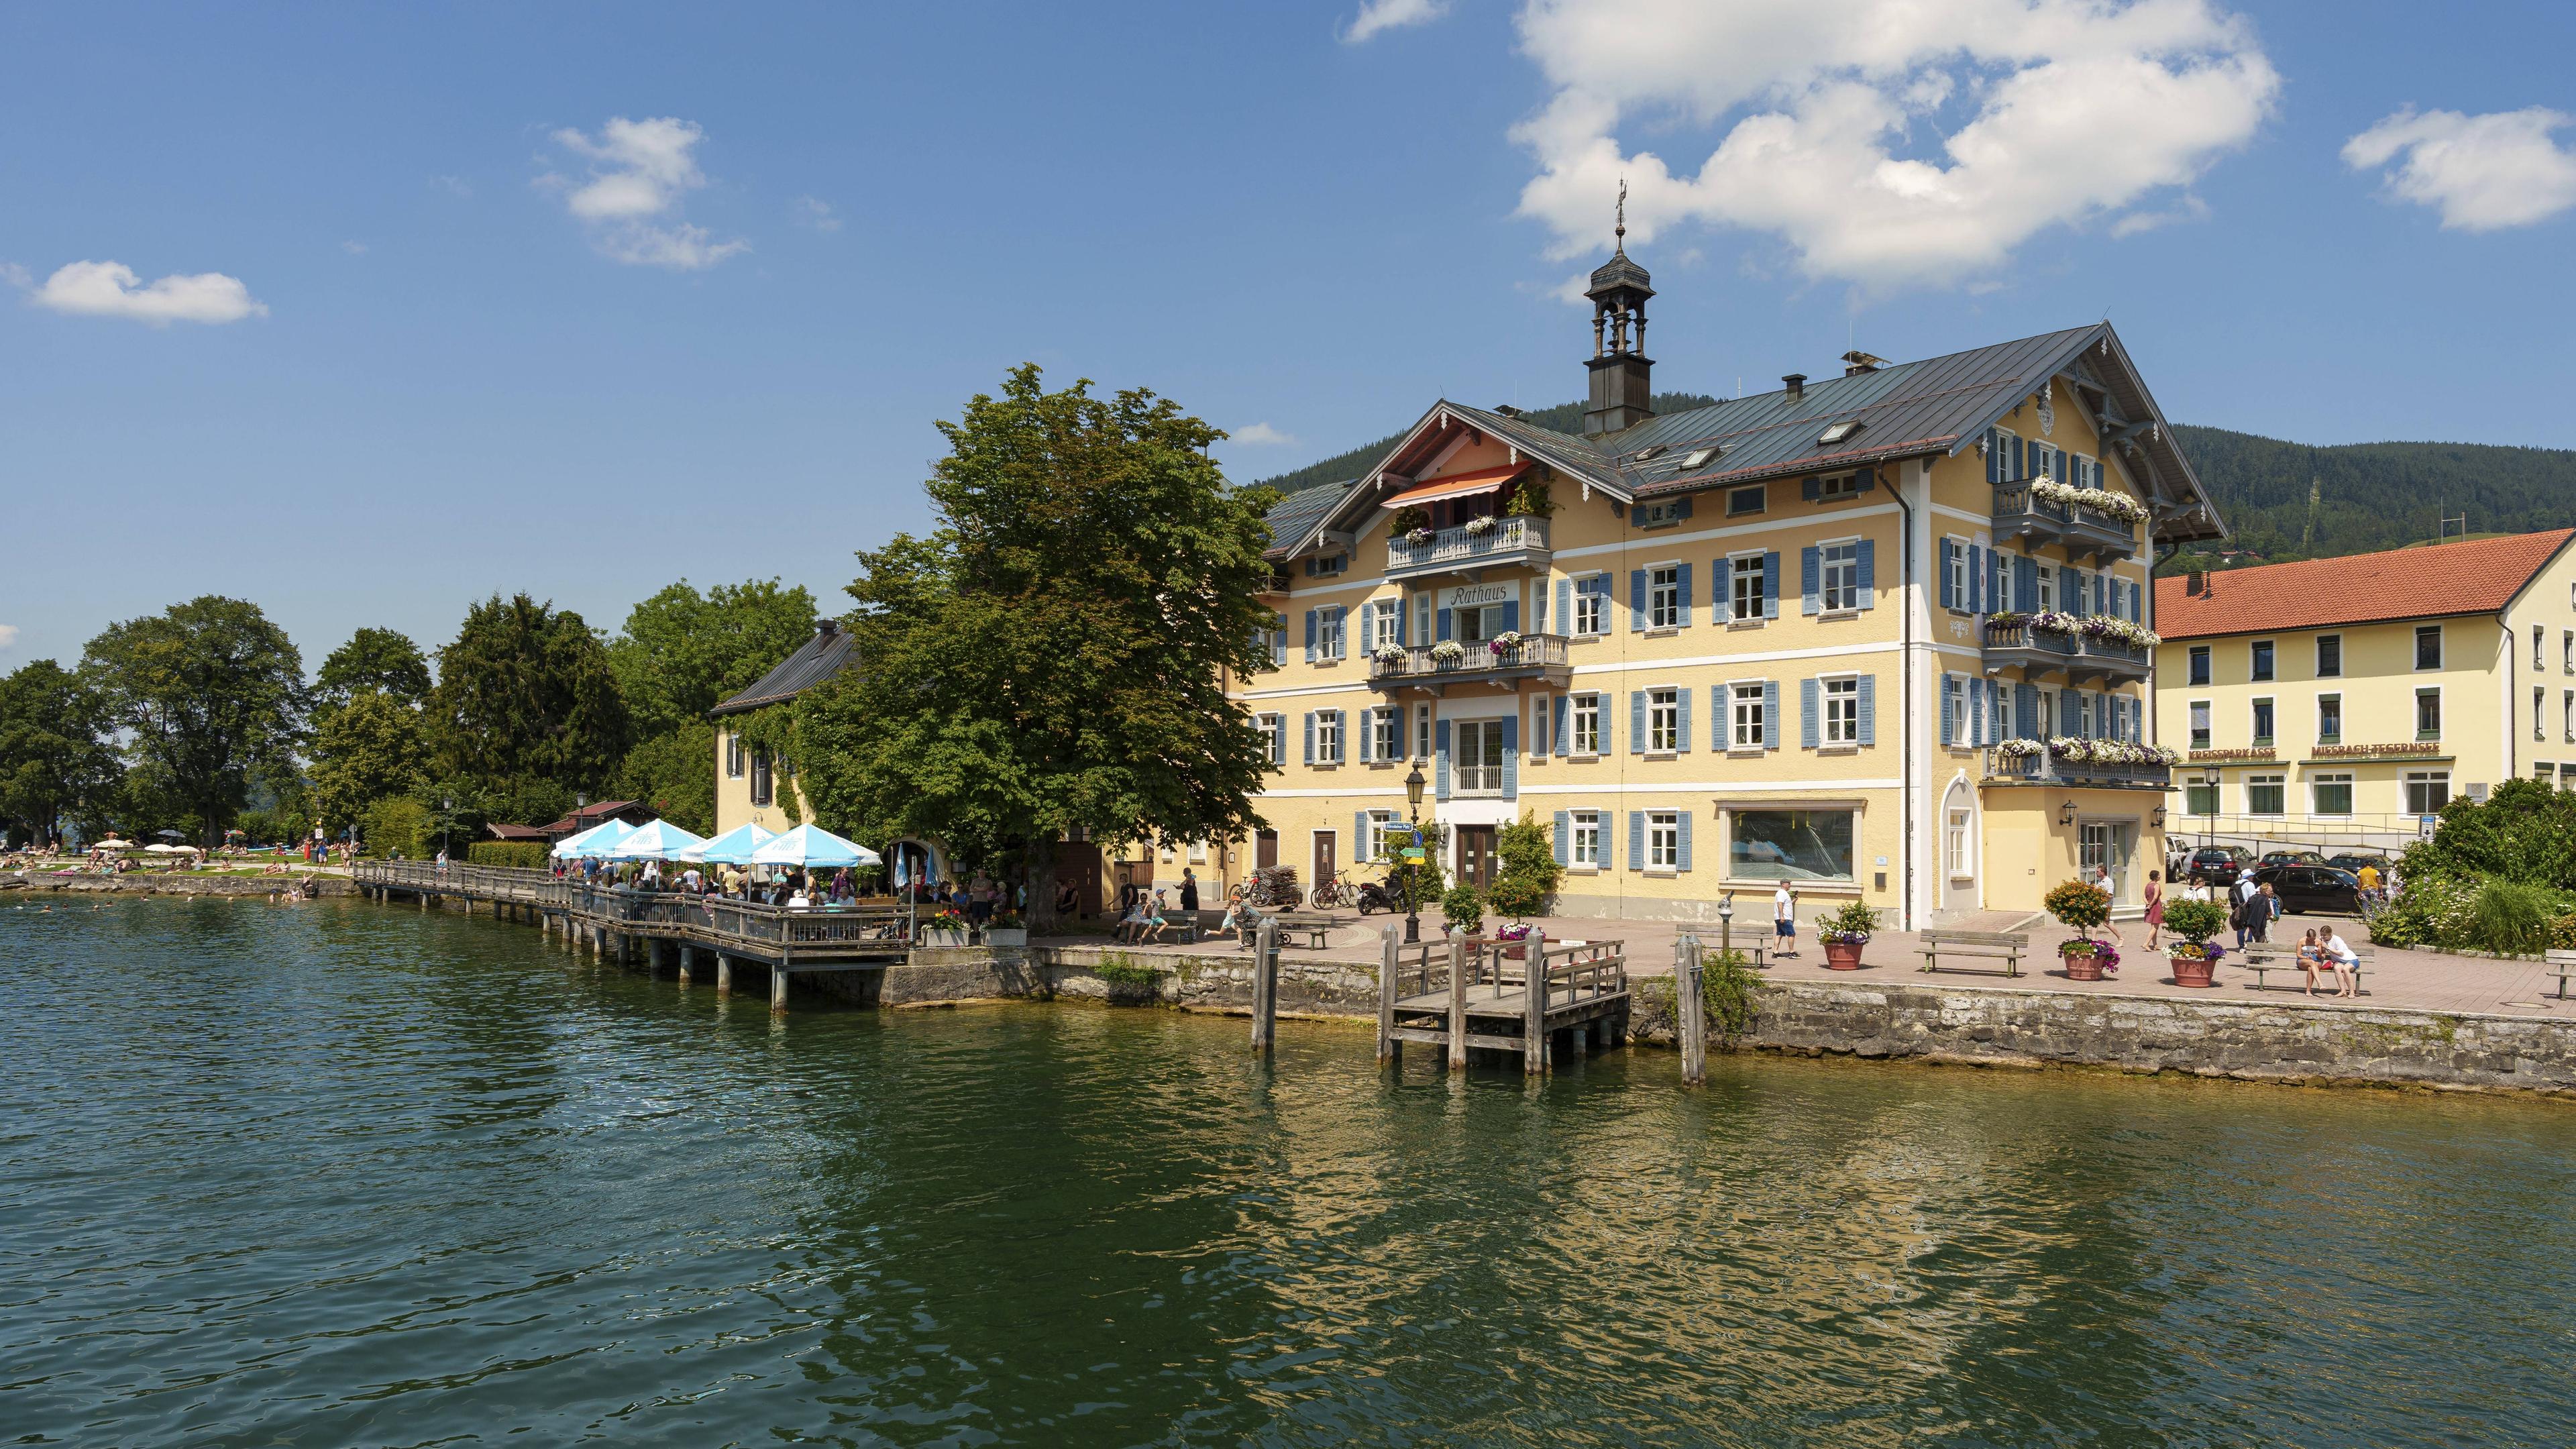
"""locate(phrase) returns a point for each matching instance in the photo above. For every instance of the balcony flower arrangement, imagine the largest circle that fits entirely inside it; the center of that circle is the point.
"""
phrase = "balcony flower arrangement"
(2053, 622)
(1480, 525)
(1504, 643)
(2007, 618)
(2067, 747)
(1417, 537)
(2103, 626)
(1388, 654)
(1448, 651)
(1844, 932)
(2018, 749)
(2101, 500)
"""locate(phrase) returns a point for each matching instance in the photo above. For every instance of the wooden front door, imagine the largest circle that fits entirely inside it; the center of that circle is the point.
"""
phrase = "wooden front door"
(1265, 850)
(1476, 855)
(1326, 843)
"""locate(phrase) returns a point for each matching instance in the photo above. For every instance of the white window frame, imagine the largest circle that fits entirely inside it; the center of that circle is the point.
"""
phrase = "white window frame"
(1663, 840)
(2198, 666)
(1274, 728)
(1741, 695)
(1838, 695)
(1387, 623)
(1583, 737)
(2044, 577)
(1743, 569)
(1328, 737)
(2567, 708)
(2539, 712)
(2539, 649)
(2426, 780)
(734, 761)
(1422, 732)
(2316, 792)
(1838, 487)
(2214, 786)
(1959, 589)
(2280, 782)
(2567, 646)
(1328, 566)
(1664, 601)
(1663, 720)
(2257, 649)
(1843, 596)
(1375, 844)
(2197, 725)
(2435, 691)
(2334, 736)
(1583, 839)
(1386, 734)
(1957, 842)
(1591, 609)
(2260, 711)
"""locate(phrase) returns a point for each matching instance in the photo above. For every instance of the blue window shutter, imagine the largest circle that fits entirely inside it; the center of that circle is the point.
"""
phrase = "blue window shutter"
(2021, 461)
(1869, 709)
(1865, 480)
(2101, 594)
(1310, 737)
(1809, 732)
(1980, 713)
(2070, 713)
(1279, 743)
(1359, 837)
(1771, 585)
(1448, 623)
(1565, 606)
(1368, 719)
(1440, 759)
(1279, 642)
(1564, 722)
(1683, 843)
(1949, 591)
(2025, 712)
(1310, 636)
(1681, 508)
(1949, 709)
(1341, 736)
(1403, 617)
(1565, 837)
(1636, 840)
(1637, 515)
(1977, 603)
(1512, 614)
(1685, 582)
(1807, 566)
(1994, 456)
(1636, 721)
(2077, 591)
(1868, 568)
(1636, 598)
(1681, 707)
(1511, 757)
(2025, 582)
(1771, 730)
(1811, 489)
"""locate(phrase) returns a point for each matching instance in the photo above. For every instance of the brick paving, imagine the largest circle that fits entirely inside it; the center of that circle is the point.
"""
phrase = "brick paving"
(2410, 980)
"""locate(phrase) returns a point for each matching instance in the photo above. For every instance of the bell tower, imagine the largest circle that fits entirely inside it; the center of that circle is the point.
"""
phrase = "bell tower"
(1623, 392)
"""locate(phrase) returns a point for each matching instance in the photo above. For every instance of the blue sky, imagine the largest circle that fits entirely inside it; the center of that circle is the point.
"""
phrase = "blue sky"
(438, 326)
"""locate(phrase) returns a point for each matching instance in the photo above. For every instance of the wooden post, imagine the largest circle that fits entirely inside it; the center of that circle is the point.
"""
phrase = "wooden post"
(724, 974)
(1687, 1006)
(778, 990)
(1533, 1011)
(1265, 987)
(1390, 952)
(1457, 1004)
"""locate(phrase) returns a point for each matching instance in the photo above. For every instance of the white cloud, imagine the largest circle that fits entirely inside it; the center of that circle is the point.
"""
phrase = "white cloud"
(1261, 435)
(455, 186)
(639, 170)
(814, 212)
(109, 289)
(1380, 15)
(2484, 172)
(8, 635)
(1888, 142)
(2190, 208)
(12, 274)
(354, 248)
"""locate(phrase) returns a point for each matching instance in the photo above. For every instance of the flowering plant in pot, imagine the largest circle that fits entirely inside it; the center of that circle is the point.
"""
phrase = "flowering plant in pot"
(1388, 654)
(1417, 536)
(2195, 951)
(1482, 523)
(2082, 906)
(1448, 651)
(944, 927)
(1844, 932)
(1514, 939)
(1504, 643)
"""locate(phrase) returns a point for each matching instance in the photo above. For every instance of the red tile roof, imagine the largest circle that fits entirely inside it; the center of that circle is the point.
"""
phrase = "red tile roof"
(2479, 576)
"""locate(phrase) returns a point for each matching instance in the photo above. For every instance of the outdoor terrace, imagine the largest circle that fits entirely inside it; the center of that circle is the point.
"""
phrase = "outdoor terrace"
(2021, 513)
(1514, 542)
(2078, 656)
(1435, 667)
(2046, 769)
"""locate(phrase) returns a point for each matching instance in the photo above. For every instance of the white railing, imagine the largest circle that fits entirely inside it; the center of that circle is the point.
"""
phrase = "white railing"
(1464, 545)
(1477, 780)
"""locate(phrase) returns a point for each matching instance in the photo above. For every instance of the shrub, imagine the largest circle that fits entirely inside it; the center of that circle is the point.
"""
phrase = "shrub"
(2195, 922)
(1120, 969)
(2511, 918)
(2079, 905)
(398, 823)
(1462, 908)
(525, 854)
(1854, 924)
(1527, 853)
(1726, 990)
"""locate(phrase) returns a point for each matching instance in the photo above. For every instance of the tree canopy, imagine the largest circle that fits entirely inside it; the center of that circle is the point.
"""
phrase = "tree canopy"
(55, 757)
(525, 696)
(681, 651)
(382, 660)
(209, 692)
(1053, 657)
(366, 749)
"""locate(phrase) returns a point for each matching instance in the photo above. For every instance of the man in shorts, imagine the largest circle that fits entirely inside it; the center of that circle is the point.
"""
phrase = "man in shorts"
(1784, 922)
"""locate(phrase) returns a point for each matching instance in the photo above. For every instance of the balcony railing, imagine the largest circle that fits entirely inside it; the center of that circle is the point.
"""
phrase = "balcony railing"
(2076, 655)
(2019, 510)
(1518, 540)
(2046, 769)
(1537, 656)
(1477, 780)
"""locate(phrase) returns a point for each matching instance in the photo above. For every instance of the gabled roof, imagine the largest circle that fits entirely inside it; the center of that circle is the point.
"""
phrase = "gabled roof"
(1294, 517)
(2475, 576)
(1938, 405)
(817, 659)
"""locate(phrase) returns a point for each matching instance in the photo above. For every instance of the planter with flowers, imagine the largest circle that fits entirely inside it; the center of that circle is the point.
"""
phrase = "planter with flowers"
(1502, 645)
(1514, 940)
(943, 927)
(1007, 928)
(1448, 651)
(1844, 932)
(1480, 525)
(2195, 951)
(1418, 537)
(2082, 906)
(1388, 654)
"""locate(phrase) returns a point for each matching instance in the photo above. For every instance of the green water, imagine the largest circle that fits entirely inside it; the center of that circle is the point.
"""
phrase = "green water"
(338, 1175)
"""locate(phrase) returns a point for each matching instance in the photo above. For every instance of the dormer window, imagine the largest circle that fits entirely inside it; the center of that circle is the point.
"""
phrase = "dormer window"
(1325, 568)
(1837, 432)
(1671, 510)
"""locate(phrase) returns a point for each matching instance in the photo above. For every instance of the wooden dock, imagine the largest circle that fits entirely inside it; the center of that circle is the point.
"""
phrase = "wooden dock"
(1534, 999)
(629, 925)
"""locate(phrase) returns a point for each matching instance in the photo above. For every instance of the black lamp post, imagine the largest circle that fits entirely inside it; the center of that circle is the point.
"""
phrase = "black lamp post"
(1413, 783)
(1725, 924)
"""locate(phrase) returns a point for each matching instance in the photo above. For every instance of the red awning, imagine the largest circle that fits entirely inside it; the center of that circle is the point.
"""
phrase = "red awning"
(1456, 485)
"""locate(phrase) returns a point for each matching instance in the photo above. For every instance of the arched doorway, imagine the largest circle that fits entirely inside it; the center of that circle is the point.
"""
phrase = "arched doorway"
(911, 863)
(1959, 847)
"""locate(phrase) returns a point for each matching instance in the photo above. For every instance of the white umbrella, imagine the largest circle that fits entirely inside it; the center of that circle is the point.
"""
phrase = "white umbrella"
(592, 842)
(734, 847)
(812, 845)
(113, 844)
(653, 840)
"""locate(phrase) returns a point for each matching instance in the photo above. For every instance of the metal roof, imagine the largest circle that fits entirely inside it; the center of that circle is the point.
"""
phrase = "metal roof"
(817, 659)
(1292, 518)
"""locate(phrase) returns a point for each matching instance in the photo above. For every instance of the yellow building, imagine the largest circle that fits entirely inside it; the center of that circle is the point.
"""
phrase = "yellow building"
(2342, 701)
(1815, 635)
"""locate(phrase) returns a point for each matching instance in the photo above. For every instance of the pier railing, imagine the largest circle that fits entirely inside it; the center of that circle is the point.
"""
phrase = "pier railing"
(719, 920)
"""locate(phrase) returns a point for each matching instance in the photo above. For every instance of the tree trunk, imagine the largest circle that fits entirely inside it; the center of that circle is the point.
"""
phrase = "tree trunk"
(1037, 872)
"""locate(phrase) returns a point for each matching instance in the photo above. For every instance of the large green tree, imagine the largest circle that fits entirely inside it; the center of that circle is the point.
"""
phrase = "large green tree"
(1050, 658)
(55, 755)
(207, 693)
(675, 773)
(682, 651)
(525, 697)
(380, 660)
(363, 751)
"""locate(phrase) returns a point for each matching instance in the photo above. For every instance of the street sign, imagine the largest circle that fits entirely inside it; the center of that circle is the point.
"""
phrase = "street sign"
(1413, 854)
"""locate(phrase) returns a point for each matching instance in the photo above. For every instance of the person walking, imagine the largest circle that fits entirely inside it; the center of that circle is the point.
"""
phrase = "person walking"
(2155, 897)
(1189, 889)
(1784, 922)
(2267, 904)
(2241, 913)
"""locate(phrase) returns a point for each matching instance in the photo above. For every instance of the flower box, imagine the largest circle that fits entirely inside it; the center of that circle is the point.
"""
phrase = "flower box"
(944, 937)
(1006, 935)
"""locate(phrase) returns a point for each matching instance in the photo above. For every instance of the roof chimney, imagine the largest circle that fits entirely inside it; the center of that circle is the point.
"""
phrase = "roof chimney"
(826, 628)
(2196, 582)
(1796, 382)
(1857, 361)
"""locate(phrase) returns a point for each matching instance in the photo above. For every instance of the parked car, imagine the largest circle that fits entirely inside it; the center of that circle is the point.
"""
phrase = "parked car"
(2354, 863)
(2215, 865)
(2294, 857)
(2305, 888)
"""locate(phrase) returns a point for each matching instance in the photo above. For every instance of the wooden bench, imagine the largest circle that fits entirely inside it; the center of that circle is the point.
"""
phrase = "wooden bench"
(2261, 957)
(2561, 964)
(2003, 946)
(1314, 928)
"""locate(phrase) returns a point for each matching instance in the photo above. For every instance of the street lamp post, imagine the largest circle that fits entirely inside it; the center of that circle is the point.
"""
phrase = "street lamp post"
(1725, 924)
(1413, 783)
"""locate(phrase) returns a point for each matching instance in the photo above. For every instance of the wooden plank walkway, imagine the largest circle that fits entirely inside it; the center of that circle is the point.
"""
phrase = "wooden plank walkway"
(1538, 1001)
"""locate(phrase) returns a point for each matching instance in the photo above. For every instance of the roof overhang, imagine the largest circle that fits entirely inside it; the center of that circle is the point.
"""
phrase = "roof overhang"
(1457, 485)
(1428, 438)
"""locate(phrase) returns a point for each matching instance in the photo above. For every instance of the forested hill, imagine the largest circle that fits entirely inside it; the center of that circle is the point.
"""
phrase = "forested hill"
(2368, 496)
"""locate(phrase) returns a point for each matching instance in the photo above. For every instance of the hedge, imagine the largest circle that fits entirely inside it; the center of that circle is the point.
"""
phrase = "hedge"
(530, 854)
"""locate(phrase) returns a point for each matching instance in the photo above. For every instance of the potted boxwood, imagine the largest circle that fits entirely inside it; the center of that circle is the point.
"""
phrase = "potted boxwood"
(943, 928)
(1007, 928)
(1463, 911)
(2082, 906)
(1844, 932)
(2195, 951)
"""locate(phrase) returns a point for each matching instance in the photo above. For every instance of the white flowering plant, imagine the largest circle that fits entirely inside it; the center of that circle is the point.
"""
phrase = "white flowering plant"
(2101, 500)
(1448, 651)
(1417, 536)
(1388, 654)
(1480, 524)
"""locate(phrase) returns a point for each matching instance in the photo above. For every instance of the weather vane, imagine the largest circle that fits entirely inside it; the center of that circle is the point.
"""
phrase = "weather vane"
(1619, 233)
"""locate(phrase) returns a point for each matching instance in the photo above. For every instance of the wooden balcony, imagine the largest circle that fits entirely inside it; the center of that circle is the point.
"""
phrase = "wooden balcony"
(1516, 542)
(1541, 657)
(2080, 657)
(2021, 513)
(2045, 769)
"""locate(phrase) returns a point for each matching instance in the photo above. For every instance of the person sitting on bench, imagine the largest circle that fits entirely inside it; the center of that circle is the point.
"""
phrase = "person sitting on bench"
(2345, 961)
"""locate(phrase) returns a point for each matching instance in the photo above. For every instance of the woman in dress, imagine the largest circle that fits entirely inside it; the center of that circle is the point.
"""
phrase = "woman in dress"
(2155, 906)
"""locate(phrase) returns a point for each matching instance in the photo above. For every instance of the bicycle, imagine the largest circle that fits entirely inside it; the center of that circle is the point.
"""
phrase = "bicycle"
(1333, 891)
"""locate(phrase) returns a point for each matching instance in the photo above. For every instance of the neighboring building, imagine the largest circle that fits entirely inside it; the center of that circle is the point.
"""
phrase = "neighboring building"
(1748, 642)
(584, 817)
(2342, 701)
(748, 781)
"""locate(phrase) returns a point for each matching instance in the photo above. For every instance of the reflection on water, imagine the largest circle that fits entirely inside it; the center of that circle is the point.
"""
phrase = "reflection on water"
(338, 1175)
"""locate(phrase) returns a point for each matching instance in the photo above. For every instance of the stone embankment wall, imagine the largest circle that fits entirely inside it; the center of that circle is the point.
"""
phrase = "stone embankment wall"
(175, 883)
(1217, 980)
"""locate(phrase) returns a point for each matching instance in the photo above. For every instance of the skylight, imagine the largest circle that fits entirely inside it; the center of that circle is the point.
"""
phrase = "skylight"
(1643, 454)
(1700, 458)
(1838, 432)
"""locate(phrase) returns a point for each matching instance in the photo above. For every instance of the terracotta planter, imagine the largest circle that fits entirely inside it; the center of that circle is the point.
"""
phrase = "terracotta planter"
(2191, 970)
(2087, 967)
(1515, 951)
(1842, 955)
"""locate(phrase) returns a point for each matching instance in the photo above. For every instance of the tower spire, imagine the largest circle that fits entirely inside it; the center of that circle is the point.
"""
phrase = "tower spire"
(1619, 232)
(1621, 372)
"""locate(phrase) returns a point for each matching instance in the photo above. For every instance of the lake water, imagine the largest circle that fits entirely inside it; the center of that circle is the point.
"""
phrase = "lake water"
(336, 1175)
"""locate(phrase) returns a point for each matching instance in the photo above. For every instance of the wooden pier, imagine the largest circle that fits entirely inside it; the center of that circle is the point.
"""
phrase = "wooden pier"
(1536, 1000)
(628, 925)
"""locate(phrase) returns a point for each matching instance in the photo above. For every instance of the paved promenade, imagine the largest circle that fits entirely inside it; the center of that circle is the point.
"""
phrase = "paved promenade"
(2414, 980)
